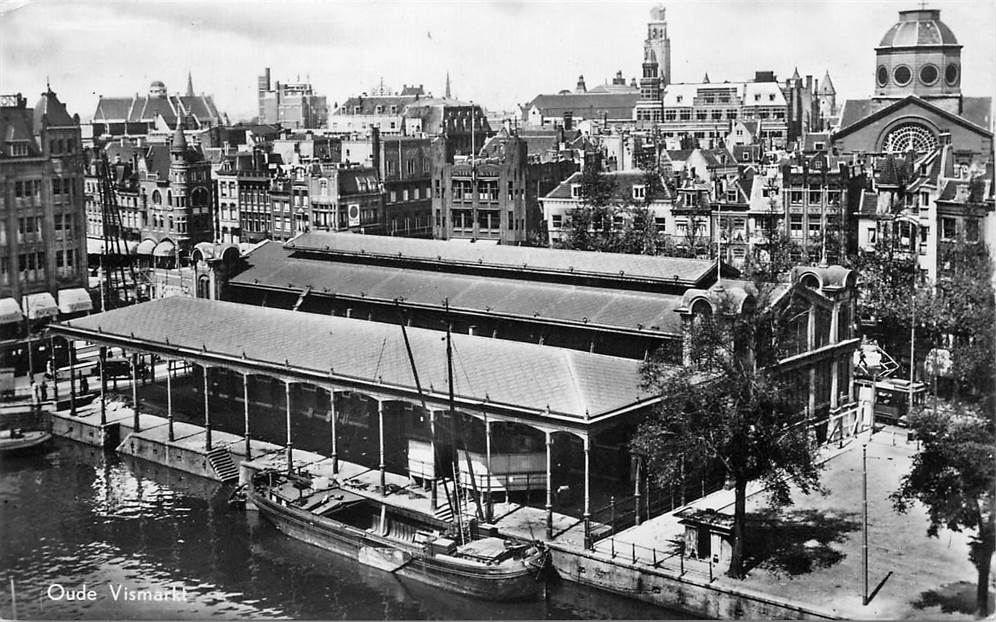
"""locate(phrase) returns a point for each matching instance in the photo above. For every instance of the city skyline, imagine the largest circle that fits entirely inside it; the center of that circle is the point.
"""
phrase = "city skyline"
(489, 62)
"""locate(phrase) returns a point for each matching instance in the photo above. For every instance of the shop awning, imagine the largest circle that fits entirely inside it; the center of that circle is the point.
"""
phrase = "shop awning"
(145, 247)
(94, 246)
(10, 311)
(74, 300)
(37, 306)
(165, 248)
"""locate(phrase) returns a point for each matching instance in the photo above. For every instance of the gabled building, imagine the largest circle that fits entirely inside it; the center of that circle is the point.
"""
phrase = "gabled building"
(155, 112)
(917, 95)
(42, 236)
(630, 188)
(163, 193)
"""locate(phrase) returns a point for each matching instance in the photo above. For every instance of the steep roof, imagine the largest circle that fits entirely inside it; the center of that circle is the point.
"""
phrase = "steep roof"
(16, 126)
(540, 379)
(145, 109)
(53, 110)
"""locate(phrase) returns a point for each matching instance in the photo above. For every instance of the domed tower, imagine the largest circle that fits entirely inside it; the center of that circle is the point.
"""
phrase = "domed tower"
(157, 90)
(920, 56)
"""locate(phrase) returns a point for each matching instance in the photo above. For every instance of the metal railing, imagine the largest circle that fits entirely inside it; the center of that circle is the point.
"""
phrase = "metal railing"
(672, 559)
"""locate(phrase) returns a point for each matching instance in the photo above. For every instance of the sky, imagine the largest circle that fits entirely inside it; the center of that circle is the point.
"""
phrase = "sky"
(498, 53)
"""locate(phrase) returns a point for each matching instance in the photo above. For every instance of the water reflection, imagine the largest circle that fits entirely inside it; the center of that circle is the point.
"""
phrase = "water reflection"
(72, 516)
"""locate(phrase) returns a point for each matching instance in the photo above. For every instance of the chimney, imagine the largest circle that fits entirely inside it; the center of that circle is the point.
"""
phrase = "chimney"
(581, 88)
(568, 120)
(809, 84)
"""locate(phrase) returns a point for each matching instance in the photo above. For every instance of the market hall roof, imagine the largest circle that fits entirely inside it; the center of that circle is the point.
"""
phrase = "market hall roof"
(558, 383)
(520, 259)
(272, 268)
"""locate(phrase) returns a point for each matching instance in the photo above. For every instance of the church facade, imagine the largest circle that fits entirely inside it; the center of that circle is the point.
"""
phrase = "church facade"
(917, 96)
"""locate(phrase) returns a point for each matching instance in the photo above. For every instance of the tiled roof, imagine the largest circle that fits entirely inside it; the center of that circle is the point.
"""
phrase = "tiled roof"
(16, 125)
(666, 270)
(855, 110)
(54, 111)
(144, 109)
(356, 352)
(587, 105)
(270, 266)
(369, 104)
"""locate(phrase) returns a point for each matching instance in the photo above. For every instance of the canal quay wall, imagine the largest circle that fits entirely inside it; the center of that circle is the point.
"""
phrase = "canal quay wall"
(664, 588)
(187, 453)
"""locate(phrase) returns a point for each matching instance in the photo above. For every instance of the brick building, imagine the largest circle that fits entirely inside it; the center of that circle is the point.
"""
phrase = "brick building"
(290, 104)
(42, 236)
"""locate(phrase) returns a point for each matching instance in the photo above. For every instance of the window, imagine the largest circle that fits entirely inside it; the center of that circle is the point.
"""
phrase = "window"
(815, 197)
(731, 114)
(575, 191)
(757, 97)
(771, 97)
(717, 115)
(685, 115)
(679, 98)
(833, 197)
(795, 196)
(731, 195)
(795, 225)
(669, 115)
(639, 192)
(557, 221)
(700, 115)
(410, 165)
(871, 235)
(949, 228)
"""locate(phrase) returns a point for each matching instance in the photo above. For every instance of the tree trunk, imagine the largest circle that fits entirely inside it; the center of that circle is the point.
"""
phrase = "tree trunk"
(982, 589)
(739, 518)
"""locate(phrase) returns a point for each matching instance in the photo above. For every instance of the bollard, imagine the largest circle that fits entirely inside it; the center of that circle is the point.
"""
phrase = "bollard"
(634, 551)
(710, 570)
(682, 573)
(654, 553)
(612, 550)
(612, 509)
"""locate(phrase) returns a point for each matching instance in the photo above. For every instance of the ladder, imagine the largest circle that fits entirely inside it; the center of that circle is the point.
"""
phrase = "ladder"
(114, 260)
(222, 464)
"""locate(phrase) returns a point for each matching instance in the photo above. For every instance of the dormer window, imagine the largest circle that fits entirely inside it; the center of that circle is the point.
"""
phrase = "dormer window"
(394, 109)
(575, 191)
(771, 97)
(639, 192)
(757, 97)
(356, 110)
(380, 110)
(679, 98)
(818, 146)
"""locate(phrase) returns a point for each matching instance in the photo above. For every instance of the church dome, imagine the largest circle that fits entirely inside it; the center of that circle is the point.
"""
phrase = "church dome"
(918, 28)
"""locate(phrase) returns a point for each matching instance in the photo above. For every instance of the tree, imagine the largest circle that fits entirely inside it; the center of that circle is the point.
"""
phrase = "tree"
(729, 407)
(954, 477)
(963, 313)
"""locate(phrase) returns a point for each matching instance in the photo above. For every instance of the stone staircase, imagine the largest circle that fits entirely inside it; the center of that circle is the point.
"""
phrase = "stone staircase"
(223, 465)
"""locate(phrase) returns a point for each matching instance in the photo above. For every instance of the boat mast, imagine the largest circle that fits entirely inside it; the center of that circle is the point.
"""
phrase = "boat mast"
(456, 422)
(453, 422)
(421, 397)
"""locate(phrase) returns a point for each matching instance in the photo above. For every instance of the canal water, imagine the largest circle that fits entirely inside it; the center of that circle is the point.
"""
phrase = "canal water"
(79, 528)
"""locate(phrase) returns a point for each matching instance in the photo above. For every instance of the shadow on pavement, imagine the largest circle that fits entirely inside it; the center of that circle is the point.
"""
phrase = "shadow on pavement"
(796, 542)
(957, 597)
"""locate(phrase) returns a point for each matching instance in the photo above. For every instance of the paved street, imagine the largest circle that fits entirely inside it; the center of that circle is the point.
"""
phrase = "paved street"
(811, 551)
